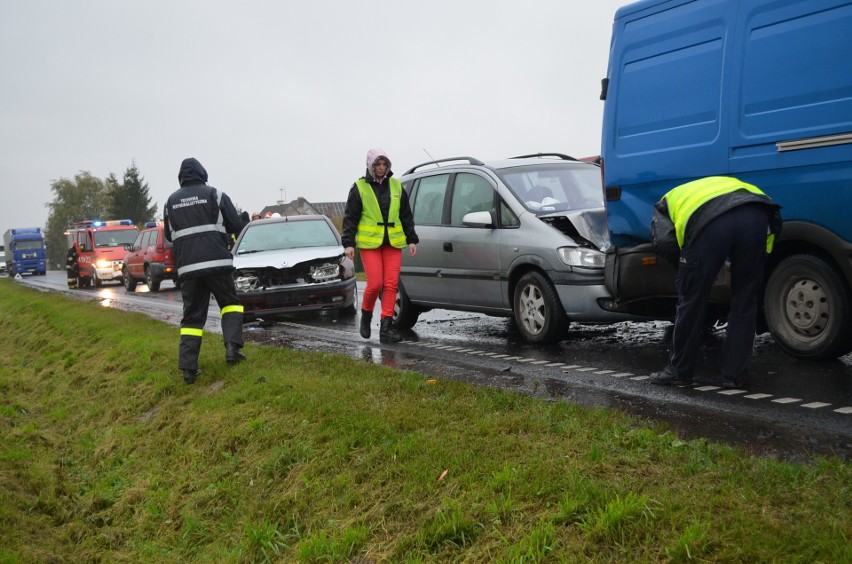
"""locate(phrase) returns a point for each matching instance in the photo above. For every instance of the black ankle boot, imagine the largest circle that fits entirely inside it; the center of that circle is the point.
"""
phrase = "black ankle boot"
(387, 332)
(366, 319)
(233, 354)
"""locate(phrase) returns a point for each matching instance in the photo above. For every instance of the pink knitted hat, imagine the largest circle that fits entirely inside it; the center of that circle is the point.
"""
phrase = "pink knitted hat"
(373, 155)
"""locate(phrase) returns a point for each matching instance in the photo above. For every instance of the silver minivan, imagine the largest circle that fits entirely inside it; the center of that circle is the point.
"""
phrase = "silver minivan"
(523, 237)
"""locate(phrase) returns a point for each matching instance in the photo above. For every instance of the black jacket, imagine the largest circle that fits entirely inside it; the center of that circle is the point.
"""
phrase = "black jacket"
(201, 222)
(354, 207)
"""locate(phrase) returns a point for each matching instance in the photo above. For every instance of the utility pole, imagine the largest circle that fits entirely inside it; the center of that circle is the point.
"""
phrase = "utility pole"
(283, 195)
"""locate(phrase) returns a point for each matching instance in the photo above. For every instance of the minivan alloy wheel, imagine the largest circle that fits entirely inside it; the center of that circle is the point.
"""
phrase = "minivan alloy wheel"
(539, 314)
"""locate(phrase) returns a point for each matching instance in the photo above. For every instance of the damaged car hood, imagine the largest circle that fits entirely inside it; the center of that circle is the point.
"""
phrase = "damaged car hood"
(286, 258)
(587, 227)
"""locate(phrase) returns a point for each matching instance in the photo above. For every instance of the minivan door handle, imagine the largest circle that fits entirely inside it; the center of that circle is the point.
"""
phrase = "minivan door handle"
(448, 247)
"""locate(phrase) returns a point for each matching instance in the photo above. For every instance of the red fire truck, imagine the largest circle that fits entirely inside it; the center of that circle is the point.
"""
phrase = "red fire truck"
(100, 247)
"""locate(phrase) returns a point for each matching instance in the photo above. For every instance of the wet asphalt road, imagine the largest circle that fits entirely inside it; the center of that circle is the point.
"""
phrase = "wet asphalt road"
(793, 409)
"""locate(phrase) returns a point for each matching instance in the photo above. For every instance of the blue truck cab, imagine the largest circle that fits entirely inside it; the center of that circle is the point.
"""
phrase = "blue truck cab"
(24, 248)
(756, 89)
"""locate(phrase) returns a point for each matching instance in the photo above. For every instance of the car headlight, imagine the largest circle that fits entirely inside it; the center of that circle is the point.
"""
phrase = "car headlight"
(101, 263)
(245, 281)
(583, 258)
(325, 272)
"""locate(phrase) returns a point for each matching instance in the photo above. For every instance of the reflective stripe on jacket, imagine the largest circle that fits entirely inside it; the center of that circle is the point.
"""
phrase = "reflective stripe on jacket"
(371, 227)
(682, 201)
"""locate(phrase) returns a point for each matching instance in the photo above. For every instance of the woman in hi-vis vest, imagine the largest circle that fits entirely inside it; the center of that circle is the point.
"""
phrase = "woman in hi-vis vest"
(379, 223)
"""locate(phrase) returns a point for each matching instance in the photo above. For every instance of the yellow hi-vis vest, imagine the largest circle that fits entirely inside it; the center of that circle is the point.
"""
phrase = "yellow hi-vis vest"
(683, 200)
(371, 227)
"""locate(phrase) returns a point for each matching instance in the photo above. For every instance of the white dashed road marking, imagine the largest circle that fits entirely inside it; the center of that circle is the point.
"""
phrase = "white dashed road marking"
(612, 373)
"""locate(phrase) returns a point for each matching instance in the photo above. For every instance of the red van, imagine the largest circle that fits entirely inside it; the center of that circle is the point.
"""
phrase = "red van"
(150, 259)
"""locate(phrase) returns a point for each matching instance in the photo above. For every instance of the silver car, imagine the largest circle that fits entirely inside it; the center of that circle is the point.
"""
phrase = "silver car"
(522, 237)
(293, 264)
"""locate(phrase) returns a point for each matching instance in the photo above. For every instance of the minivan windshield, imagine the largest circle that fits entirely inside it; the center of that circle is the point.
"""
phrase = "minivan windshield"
(555, 187)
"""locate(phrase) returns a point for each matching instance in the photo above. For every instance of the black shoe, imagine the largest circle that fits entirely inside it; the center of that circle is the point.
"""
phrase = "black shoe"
(366, 319)
(233, 354)
(667, 376)
(189, 376)
(731, 384)
(387, 332)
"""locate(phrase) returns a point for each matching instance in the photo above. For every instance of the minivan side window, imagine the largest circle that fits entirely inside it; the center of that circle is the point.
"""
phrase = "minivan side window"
(429, 200)
(507, 216)
(471, 193)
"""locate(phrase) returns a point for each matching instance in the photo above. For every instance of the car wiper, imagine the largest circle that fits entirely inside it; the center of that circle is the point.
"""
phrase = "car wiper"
(241, 252)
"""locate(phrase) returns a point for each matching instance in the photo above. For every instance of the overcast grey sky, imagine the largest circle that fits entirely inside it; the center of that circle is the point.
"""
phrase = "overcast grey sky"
(273, 95)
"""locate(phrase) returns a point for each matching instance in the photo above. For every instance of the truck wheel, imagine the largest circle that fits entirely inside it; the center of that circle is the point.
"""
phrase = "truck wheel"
(96, 280)
(129, 282)
(152, 281)
(539, 314)
(807, 308)
(405, 313)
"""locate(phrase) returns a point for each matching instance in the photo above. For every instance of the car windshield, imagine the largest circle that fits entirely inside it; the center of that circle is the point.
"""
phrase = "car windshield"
(115, 238)
(554, 187)
(286, 235)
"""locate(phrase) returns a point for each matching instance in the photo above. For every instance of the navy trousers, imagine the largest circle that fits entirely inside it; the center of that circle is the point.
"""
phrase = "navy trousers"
(739, 235)
(196, 300)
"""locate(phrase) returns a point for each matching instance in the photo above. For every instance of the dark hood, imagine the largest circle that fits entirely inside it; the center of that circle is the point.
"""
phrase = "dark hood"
(191, 171)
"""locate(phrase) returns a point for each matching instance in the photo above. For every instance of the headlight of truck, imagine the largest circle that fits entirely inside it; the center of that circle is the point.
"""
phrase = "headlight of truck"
(102, 263)
(583, 258)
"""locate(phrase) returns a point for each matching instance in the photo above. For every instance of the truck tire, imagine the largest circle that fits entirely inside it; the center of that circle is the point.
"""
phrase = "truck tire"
(96, 280)
(405, 313)
(539, 314)
(807, 309)
(129, 282)
(152, 281)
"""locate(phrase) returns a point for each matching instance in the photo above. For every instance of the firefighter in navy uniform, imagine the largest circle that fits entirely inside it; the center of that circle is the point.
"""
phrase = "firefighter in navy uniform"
(71, 267)
(200, 221)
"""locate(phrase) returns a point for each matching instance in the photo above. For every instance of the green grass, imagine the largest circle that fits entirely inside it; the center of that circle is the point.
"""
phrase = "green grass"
(107, 456)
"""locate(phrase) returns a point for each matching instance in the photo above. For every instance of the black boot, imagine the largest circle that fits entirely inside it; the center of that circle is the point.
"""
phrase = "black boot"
(189, 375)
(387, 332)
(366, 319)
(233, 354)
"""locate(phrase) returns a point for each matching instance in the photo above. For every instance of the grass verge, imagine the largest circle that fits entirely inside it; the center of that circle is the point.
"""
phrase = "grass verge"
(107, 456)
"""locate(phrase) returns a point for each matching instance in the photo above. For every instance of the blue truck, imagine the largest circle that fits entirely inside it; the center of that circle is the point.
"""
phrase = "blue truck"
(756, 89)
(24, 248)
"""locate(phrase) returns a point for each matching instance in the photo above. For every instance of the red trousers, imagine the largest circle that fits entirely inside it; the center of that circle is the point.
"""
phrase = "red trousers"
(382, 269)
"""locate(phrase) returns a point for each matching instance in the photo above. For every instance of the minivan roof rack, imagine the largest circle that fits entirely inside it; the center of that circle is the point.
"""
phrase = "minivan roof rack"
(560, 155)
(471, 160)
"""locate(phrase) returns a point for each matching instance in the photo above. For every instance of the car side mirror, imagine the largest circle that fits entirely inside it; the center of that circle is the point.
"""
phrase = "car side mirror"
(480, 219)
